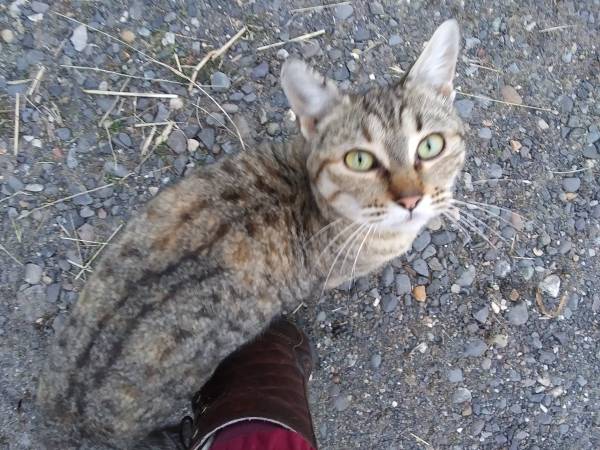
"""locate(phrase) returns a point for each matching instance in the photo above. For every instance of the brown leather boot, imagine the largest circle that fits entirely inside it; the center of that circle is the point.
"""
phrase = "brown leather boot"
(265, 379)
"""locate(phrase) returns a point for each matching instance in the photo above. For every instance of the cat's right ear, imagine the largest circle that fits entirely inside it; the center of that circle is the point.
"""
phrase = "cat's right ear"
(311, 95)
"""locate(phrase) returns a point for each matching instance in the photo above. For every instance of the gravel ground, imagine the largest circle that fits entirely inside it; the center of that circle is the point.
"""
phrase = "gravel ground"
(458, 345)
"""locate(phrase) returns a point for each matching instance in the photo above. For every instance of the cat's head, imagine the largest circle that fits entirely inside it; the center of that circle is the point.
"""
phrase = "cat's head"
(389, 156)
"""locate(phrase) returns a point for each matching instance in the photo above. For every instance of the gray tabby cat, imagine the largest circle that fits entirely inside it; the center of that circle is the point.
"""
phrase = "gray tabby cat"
(212, 259)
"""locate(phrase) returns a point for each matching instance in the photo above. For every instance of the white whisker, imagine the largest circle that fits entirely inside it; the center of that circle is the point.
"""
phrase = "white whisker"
(358, 252)
(488, 206)
(326, 227)
(335, 238)
(485, 211)
(485, 225)
(457, 223)
(474, 228)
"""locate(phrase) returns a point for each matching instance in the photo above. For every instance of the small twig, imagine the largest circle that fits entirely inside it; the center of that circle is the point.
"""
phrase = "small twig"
(36, 82)
(130, 94)
(13, 257)
(177, 62)
(560, 27)
(96, 69)
(483, 97)
(564, 172)
(76, 241)
(60, 200)
(152, 124)
(318, 7)
(303, 37)
(148, 141)
(164, 135)
(213, 54)
(104, 244)
(23, 81)
(540, 302)
(421, 440)
(485, 67)
(107, 113)
(293, 313)
(16, 136)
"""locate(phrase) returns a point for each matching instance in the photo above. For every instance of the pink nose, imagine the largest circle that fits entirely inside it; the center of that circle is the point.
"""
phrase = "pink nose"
(409, 203)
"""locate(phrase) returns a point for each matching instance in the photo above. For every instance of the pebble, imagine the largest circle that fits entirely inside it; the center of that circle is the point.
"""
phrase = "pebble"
(273, 129)
(282, 54)
(63, 133)
(168, 39)
(192, 145)
(220, 82)
(590, 152)
(571, 184)
(260, 71)
(376, 9)
(34, 187)
(322, 316)
(361, 34)
(177, 141)
(342, 12)
(482, 315)
(128, 36)
(7, 36)
(550, 285)
(518, 314)
(79, 38)
(475, 348)
(86, 212)
(389, 302)
(375, 361)
(485, 133)
(421, 267)
(422, 241)
(467, 277)
(461, 395)
(341, 402)
(543, 125)
(341, 73)
(510, 94)
(116, 169)
(502, 269)
(39, 7)
(464, 108)
(472, 42)
(33, 273)
(420, 293)
(394, 40)
(387, 276)
(403, 285)
(207, 137)
(500, 340)
(455, 375)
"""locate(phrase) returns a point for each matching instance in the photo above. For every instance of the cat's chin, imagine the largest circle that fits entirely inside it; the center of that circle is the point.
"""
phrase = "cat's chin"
(412, 224)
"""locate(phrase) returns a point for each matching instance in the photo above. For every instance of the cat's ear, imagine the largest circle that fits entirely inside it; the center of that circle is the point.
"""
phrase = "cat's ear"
(311, 95)
(437, 64)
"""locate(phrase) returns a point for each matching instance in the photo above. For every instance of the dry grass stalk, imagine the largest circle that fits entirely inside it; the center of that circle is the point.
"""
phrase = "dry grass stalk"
(483, 97)
(560, 27)
(540, 302)
(148, 141)
(86, 267)
(36, 81)
(107, 113)
(318, 7)
(112, 72)
(130, 94)
(303, 37)
(214, 54)
(16, 136)
(13, 257)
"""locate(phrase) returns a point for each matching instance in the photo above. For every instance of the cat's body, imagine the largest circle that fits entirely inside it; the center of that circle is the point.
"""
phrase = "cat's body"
(212, 259)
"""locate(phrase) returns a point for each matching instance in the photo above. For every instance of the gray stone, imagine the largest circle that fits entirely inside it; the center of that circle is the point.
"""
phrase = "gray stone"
(63, 133)
(14, 183)
(361, 34)
(394, 40)
(571, 184)
(39, 7)
(464, 108)
(518, 314)
(387, 276)
(461, 395)
(72, 158)
(471, 42)
(177, 141)
(116, 169)
(502, 269)
(341, 402)
(455, 375)
(467, 277)
(376, 8)
(482, 315)
(475, 348)
(420, 266)
(550, 285)
(565, 104)
(86, 212)
(53, 292)
(207, 137)
(485, 133)
(219, 82)
(443, 238)
(375, 361)
(79, 38)
(389, 302)
(260, 71)
(422, 241)
(403, 285)
(590, 152)
(33, 273)
(123, 139)
(273, 129)
(342, 12)
(341, 73)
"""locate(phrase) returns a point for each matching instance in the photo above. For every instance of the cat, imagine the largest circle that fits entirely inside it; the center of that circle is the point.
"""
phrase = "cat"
(210, 260)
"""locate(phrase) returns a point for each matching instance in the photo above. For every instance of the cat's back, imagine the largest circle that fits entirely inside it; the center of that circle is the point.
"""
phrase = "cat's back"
(189, 274)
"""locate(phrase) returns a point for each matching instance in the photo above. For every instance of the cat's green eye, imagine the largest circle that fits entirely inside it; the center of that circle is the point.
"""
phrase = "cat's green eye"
(360, 160)
(431, 146)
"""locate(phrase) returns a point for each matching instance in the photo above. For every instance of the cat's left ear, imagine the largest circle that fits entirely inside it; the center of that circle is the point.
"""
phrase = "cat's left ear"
(436, 66)
(311, 95)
